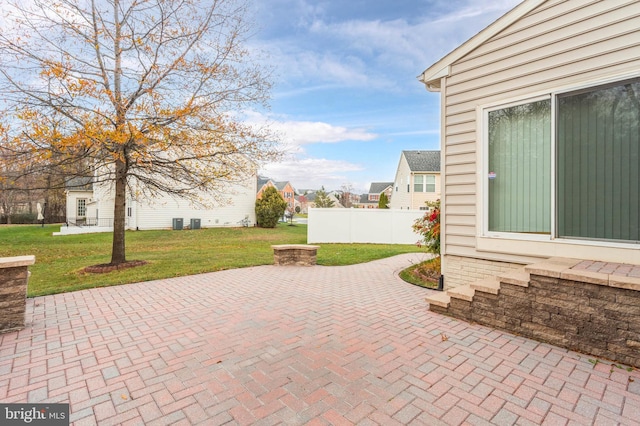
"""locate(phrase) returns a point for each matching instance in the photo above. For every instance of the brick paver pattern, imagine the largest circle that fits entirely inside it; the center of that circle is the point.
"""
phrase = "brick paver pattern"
(296, 345)
(611, 268)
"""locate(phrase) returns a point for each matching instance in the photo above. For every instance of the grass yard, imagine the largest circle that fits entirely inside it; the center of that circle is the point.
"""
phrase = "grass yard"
(60, 260)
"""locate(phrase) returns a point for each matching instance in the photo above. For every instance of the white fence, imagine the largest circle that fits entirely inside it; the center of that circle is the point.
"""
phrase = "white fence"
(377, 226)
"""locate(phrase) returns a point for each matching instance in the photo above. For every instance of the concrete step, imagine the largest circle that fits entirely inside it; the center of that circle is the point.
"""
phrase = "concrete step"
(488, 285)
(552, 267)
(519, 277)
(464, 292)
(439, 299)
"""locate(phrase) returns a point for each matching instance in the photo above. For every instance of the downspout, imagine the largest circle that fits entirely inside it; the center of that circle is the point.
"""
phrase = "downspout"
(443, 177)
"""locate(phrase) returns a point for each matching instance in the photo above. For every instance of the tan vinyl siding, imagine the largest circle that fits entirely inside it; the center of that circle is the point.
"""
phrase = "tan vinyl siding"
(561, 44)
(462, 189)
(461, 148)
(468, 220)
(462, 158)
(466, 209)
(460, 179)
(465, 127)
(593, 30)
(466, 139)
(460, 168)
(541, 69)
(465, 117)
(562, 22)
(453, 229)
(460, 199)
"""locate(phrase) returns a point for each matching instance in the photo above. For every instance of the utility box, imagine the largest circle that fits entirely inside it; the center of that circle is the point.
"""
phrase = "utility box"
(195, 223)
(178, 223)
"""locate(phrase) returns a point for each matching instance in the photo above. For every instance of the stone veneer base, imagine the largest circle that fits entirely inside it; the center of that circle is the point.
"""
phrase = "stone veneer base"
(294, 254)
(14, 276)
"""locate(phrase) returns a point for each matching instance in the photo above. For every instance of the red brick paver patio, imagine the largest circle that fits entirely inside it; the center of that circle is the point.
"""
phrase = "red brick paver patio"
(296, 345)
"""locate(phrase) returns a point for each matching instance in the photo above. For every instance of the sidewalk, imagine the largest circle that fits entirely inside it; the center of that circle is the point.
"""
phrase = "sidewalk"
(296, 345)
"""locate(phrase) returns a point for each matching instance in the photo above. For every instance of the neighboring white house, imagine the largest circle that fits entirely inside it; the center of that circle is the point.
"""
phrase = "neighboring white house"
(541, 138)
(417, 180)
(90, 209)
(80, 204)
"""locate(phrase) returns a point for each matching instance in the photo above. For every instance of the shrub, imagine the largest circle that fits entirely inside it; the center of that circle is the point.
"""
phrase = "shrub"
(20, 218)
(383, 203)
(270, 208)
(429, 227)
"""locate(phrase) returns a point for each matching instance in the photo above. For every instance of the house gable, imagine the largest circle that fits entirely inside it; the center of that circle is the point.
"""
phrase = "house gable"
(431, 77)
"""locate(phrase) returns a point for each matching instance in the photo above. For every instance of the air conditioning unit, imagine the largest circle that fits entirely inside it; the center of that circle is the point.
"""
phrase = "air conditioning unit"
(195, 223)
(178, 223)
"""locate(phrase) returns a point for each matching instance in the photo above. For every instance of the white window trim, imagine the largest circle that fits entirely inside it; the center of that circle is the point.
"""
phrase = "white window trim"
(422, 183)
(435, 183)
(482, 168)
(482, 148)
(86, 201)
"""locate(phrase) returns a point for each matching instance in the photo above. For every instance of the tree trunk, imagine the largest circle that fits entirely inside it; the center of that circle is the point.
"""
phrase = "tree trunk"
(118, 250)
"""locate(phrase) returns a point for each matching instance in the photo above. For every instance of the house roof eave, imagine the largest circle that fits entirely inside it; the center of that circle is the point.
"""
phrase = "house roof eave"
(433, 83)
(431, 76)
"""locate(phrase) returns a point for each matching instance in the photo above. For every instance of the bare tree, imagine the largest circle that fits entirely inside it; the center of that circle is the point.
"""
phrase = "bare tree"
(144, 94)
(346, 197)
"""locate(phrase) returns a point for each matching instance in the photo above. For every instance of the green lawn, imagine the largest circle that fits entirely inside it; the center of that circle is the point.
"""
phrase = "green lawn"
(60, 260)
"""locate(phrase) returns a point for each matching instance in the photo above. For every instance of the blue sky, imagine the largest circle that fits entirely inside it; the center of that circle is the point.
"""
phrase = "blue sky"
(346, 98)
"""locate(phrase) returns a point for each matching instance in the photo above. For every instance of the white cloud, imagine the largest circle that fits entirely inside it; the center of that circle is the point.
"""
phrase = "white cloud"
(295, 134)
(363, 53)
(298, 168)
(312, 173)
(308, 132)
(321, 68)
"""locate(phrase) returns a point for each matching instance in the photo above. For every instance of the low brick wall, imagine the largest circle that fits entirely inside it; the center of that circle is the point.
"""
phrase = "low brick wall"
(596, 319)
(14, 275)
(294, 254)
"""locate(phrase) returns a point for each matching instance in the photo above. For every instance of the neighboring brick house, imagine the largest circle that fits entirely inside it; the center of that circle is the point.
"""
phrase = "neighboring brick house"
(370, 200)
(417, 180)
(302, 201)
(285, 189)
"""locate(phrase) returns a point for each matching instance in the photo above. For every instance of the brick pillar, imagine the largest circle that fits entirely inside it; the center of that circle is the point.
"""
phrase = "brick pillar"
(13, 291)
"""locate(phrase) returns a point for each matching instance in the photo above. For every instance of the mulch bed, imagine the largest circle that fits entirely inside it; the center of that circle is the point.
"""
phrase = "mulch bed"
(107, 267)
(425, 274)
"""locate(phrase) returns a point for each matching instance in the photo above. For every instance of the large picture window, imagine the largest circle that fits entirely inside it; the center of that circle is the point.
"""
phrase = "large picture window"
(598, 141)
(520, 168)
(596, 158)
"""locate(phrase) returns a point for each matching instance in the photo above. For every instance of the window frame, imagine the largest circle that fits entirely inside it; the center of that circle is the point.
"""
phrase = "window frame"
(84, 207)
(435, 185)
(483, 175)
(420, 184)
(598, 86)
(482, 166)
